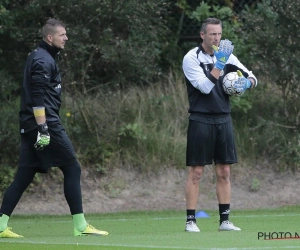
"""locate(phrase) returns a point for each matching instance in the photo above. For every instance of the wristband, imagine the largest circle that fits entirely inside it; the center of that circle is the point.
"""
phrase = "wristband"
(39, 111)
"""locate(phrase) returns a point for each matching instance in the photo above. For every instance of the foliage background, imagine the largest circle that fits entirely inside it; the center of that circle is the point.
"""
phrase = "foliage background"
(124, 99)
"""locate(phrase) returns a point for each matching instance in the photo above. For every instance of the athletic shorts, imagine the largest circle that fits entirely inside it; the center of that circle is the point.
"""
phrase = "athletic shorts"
(58, 153)
(210, 140)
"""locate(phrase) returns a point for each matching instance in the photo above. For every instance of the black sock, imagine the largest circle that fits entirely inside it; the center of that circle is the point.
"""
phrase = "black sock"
(190, 215)
(224, 210)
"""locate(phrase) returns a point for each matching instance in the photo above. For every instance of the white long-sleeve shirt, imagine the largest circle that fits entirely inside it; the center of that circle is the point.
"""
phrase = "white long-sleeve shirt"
(206, 94)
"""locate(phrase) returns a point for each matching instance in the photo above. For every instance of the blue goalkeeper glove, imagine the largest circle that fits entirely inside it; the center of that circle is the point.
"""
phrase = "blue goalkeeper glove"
(242, 84)
(43, 137)
(222, 54)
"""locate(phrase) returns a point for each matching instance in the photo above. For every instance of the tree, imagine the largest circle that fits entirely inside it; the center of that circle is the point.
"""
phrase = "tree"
(271, 31)
(111, 42)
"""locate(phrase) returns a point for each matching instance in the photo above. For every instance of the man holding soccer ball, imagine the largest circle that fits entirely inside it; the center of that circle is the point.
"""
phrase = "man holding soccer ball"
(210, 137)
(44, 142)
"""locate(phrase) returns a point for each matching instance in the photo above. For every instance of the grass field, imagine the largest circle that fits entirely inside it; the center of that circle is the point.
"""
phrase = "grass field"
(159, 230)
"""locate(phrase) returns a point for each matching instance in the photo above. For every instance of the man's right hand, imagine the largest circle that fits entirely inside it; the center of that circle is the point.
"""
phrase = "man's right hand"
(222, 54)
(43, 137)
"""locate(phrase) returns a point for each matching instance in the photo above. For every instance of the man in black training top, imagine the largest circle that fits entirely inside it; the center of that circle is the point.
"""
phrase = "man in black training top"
(44, 142)
(210, 132)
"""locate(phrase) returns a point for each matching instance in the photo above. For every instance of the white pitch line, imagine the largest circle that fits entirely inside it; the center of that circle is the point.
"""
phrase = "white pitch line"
(150, 247)
(164, 218)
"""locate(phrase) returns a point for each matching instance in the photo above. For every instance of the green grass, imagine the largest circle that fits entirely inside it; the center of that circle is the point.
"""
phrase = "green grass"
(157, 230)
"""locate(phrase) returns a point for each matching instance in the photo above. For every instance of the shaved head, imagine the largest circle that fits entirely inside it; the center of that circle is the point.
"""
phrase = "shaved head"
(50, 27)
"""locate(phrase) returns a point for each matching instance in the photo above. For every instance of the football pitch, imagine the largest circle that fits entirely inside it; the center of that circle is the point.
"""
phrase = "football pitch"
(261, 229)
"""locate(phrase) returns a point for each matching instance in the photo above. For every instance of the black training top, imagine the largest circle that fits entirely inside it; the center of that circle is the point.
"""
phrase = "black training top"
(41, 86)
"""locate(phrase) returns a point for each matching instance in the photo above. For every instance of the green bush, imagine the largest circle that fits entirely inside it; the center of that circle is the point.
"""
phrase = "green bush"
(110, 42)
(9, 129)
(271, 31)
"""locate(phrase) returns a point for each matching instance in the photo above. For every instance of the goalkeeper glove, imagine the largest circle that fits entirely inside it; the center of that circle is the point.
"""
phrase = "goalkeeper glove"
(43, 137)
(242, 84)
(222, 54)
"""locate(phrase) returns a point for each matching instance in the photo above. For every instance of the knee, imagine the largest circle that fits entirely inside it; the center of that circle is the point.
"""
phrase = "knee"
(223, 173)
(195, 174)
(76, 169)
(23, 178)
(71, 170)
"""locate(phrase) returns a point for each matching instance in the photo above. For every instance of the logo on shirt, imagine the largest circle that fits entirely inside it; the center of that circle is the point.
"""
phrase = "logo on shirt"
(58, 86)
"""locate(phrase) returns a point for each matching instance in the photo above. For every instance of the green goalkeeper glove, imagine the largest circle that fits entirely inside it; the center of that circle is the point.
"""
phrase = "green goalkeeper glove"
(222, 54)
(43, 137)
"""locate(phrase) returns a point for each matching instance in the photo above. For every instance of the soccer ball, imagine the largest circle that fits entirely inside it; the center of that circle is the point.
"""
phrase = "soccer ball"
(228, 84)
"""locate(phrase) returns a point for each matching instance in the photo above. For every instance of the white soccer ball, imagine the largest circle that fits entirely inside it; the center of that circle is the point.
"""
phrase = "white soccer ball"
(228, 84)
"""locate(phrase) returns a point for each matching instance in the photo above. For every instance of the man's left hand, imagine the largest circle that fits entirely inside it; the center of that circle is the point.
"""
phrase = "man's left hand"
(43, 137)
(242, 84)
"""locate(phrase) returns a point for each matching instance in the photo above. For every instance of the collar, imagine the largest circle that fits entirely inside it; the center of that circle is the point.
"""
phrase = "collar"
(53, 51)
(200, 49)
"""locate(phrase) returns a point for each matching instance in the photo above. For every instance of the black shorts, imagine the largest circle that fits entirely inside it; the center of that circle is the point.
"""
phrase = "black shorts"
(58, 153)
(210, 142)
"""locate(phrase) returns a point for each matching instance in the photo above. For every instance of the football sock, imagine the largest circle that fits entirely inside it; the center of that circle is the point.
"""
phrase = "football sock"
(224, 210)
(190, 215)
(3, 222)
(79, 221)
